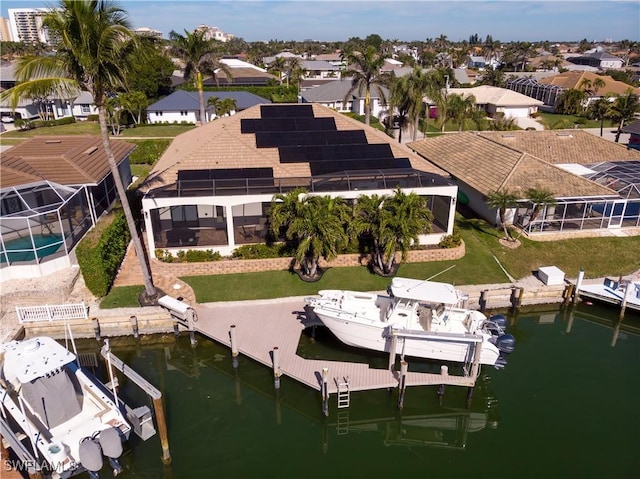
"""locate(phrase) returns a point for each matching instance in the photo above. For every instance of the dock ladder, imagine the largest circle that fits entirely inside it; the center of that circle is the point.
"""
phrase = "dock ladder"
(342, 428)
(344, 395)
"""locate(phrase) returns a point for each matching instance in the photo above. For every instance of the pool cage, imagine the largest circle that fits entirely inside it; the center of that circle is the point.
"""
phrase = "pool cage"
(42, 221)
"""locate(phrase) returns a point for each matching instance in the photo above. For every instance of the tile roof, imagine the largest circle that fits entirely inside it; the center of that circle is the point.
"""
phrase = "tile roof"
(488, 161)
(67, 160)
(564, 146)
(491, 95)
(573, 79)
(220, 144)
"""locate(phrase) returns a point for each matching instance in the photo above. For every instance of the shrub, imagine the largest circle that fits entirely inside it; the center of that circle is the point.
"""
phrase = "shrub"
(24, 124)
(188, 256)
(451, 241)
(263, 251)
(101, 252)
(92, 118)
(198, 256)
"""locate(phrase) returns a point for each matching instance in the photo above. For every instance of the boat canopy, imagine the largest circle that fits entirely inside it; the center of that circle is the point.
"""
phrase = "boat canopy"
(34, 358)
(427, 291)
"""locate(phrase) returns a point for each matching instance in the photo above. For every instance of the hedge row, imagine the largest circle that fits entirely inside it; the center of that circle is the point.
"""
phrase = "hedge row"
(101, 252)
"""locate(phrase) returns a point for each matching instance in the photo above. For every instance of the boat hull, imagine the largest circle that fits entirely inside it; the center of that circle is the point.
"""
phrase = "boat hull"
(376, 336)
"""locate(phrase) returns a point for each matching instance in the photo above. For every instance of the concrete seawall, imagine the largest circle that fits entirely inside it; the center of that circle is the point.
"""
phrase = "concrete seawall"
(156, 320)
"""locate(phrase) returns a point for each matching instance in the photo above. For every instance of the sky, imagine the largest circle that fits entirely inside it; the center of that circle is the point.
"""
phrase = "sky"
(331, 20)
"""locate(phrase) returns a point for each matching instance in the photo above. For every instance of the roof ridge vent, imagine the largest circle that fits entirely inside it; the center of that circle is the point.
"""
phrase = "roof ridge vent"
(90, 150)
(565, 134)
(508, 135)
(53, 141)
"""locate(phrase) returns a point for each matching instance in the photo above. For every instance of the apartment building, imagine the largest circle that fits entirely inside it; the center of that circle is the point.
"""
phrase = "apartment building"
(26, 25)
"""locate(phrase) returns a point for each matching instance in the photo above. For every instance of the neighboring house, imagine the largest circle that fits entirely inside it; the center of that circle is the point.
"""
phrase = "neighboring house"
(476, 62)
(53, 190)
(320, 69)
(184, 107)
(241, 74)
(633, 129)
(495, 100)
(548, 88)
(601, 60)
(269, 60)
(80, 107)
(213, 187)
(596, 182)
(332, 95)
(333, 58)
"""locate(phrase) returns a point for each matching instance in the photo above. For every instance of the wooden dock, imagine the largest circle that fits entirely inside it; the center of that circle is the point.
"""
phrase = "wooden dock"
(260, 326)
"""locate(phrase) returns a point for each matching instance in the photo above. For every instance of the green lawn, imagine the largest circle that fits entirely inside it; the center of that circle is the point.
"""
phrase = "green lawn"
(554, 121)
(92, 128)
(610, 256)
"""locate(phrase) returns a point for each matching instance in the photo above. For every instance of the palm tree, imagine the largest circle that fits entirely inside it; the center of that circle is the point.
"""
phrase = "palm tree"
(316, 225)
(623, 109)
(460, 108)
(419, 85)
(278, 67)
(365, 74)
(393, 223)
(198, 55)
(398, 106)
(599, 110)
(94, 42)
(539, 197)
(502, 199)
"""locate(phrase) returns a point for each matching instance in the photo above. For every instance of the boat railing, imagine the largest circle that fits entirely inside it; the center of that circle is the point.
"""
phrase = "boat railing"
(434, 335)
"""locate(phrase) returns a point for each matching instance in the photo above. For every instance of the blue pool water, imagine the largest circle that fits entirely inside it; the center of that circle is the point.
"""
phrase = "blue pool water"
(21, 249)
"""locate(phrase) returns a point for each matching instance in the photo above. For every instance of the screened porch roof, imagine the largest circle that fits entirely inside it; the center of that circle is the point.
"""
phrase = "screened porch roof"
(23, 201)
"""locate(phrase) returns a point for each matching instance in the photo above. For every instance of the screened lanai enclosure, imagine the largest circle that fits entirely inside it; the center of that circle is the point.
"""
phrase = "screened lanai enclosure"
(592, 212)
(42, 222)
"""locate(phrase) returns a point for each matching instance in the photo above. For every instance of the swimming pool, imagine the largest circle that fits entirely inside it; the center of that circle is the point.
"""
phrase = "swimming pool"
(21, 249)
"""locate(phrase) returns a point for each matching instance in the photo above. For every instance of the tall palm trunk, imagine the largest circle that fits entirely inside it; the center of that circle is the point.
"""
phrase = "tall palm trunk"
(200, 88)
(367, 106)
(150, 290)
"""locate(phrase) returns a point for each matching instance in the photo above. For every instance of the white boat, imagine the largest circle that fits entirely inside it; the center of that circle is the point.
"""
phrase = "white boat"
(613, 292)
(59, 412)
(424, 319)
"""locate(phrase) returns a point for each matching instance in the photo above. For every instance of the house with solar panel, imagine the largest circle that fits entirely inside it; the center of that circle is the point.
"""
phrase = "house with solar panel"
(213, 187)
(53, 189)
(595, 182)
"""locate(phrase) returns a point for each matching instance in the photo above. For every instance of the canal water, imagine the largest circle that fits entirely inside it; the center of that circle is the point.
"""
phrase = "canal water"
(565, 406)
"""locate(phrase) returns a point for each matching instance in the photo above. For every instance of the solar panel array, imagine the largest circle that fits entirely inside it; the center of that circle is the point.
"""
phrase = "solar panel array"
(303, 138)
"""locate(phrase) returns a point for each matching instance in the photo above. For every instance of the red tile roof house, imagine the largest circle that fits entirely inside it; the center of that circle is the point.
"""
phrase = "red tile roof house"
(53, 190)
(596, 182)
(213, 187)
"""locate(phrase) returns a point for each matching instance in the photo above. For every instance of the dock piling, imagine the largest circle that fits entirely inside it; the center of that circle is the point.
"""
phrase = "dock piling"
(234, 345)
(176, 329)
(627, 290)
(325, 391)
(483, 301)
(404, 367)
(276, 367)
(576, 290)
(96, 328)
(392, 351)
(569, 294)
(134, 326)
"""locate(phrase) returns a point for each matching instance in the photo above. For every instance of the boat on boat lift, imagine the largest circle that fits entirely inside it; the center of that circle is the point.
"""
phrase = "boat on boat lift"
(58, 410)
(423, 319)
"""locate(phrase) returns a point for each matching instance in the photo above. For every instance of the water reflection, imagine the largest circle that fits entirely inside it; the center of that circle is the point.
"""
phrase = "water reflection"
(235, 418)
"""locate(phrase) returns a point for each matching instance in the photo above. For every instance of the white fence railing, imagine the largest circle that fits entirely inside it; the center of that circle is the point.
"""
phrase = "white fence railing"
(48, 312)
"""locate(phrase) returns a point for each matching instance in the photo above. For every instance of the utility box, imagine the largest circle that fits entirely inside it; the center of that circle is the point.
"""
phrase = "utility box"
(551, 275)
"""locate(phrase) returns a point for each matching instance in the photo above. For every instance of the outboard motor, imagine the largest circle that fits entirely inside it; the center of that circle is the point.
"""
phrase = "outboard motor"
(499, 319)
(90, 456)
(111, 444)
(506, 343)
